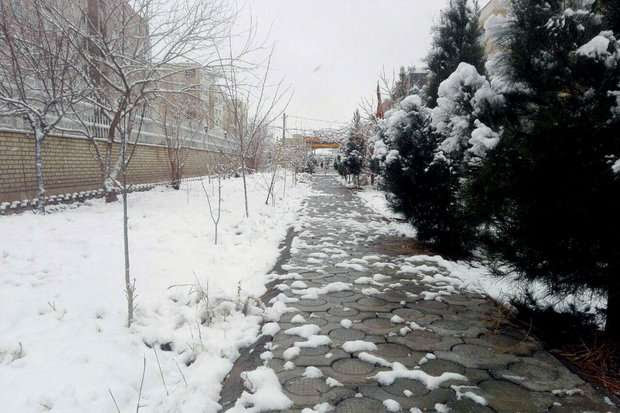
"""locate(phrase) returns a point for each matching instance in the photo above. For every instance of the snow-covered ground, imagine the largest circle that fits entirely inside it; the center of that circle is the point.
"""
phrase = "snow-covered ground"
(63, 342)
(376, 201)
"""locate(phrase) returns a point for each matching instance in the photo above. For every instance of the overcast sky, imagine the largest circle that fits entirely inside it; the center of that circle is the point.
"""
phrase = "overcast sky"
(332, 51)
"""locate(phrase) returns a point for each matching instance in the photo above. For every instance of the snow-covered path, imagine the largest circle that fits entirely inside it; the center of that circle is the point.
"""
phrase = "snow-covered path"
(63, 342)
(366, 329)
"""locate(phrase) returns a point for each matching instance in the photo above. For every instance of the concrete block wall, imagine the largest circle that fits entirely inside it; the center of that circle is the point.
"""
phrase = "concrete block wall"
(70, 165)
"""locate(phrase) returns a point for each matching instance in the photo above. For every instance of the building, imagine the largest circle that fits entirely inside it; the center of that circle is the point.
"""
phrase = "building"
(199, 105)
(490, 9)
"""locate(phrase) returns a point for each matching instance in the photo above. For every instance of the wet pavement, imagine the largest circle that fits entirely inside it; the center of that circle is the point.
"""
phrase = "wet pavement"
(415, 342)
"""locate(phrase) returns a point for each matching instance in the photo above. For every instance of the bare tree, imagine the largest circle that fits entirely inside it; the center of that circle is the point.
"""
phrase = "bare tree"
(126, 49)
(215, 215)
(37, 80)
(294, 155)
(252, 101)
(181, 123)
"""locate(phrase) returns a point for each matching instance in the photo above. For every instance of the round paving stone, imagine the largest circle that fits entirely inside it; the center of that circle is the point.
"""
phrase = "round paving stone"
(311, 303)
(436, 367)
(378, 325)
(346, 334)
(536, 375)
(303, 386)
(467, 406)
(372, 301)
(340, 311)
(359, 405)
(353, 367)
(425, 341)
(408, 314)
(506, 397)
(429, 306)
(394, 296)
(313, 275)
(506, 344)
(476, 357)
(341, 294)
(458, 327)
(314, 351)
(400, 385)
(392, 350)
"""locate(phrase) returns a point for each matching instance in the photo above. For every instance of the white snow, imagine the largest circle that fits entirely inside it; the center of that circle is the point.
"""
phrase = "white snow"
(299, 284)
(314, 292)
(370, 291)
(441, 408)
(358, 345)
(377, 201)
(63, 334)
(482, 139)
(399, 371)
(319, 408)
(396, 319)
(346, 323)
(372, 359)
(270, 329)
(265, 393)
(595, 48)
(331, 382)
(304, 331)
(314, 341)
(298, 319)
(466, 392)
(312, 372)
(291, 353)
(391, 405)
(353, 266)
(477, 278)
(460, 98)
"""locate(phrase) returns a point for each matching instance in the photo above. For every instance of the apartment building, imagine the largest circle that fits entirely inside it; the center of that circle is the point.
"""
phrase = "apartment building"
(492, 8)
(193, 96)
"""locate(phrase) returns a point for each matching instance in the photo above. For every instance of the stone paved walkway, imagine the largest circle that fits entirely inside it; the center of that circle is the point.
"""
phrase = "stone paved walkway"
(421, 327)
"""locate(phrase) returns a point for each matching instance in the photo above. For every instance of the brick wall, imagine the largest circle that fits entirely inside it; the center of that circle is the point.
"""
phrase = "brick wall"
(70, 165)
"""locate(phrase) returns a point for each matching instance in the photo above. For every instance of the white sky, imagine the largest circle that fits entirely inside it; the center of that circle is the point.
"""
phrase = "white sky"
(332, 51)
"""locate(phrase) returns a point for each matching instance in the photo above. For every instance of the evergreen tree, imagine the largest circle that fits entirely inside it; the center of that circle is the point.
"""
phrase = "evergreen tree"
(456, 39)
(467, 111)
(419, 186)
(355, 148)
(548, 191)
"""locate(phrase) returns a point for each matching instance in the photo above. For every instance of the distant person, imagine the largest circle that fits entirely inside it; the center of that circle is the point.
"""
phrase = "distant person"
(322, 167)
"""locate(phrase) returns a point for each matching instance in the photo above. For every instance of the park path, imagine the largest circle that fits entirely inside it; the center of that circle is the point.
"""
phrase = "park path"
(414, 340)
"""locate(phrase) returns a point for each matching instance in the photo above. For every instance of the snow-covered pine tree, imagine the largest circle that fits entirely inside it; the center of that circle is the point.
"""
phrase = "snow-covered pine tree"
(417, 185)
(456, 39)
(548, 190)
(355, 148)
(466, 117)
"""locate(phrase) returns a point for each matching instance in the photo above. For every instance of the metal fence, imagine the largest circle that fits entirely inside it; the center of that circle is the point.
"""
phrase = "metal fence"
(151, 132)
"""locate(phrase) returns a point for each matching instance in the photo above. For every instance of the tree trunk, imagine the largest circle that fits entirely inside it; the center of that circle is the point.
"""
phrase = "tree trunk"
(129, 286)
(612, 326)
(110, 193)
(245, 188)
(38, 162)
